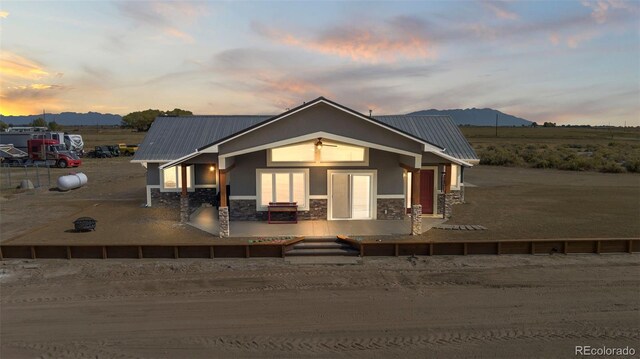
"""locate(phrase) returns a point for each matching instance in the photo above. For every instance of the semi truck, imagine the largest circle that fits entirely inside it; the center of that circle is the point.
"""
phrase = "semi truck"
(52, 151)
(19, 140)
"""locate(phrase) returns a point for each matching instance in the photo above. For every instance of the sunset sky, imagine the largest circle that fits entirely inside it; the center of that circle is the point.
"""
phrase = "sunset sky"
(572, 62)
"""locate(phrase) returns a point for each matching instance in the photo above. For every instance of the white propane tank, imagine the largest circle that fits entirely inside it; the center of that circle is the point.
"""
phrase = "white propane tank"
(71, 181)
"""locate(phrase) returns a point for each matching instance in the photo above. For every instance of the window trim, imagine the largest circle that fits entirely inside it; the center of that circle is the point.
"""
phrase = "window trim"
(290, 171)
(191, 187)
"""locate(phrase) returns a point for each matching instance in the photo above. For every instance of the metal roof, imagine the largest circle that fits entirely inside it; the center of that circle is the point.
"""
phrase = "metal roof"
(170, 138)
(439, 130)
(173, 137)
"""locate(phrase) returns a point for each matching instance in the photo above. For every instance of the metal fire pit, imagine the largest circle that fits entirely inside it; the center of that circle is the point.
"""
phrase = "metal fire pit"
(85, 224)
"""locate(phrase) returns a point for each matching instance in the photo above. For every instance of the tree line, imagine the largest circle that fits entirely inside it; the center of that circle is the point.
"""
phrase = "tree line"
(139, 120)
(38, 122)
(142, 120)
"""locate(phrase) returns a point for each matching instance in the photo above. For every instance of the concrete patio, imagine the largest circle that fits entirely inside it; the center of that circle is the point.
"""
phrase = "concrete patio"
(206, 219)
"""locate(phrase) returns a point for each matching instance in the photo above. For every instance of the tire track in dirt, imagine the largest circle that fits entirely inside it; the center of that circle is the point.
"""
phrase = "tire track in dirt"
(196, 293)
(296, 286)
(401, 343)
(74, 350)
(157, 288)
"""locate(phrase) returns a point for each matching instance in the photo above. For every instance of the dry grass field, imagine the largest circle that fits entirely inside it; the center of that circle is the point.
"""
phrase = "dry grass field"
(611, 150)
(459, 307)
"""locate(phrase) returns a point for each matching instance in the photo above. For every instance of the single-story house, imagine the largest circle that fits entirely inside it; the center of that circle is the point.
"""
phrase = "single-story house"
(333, 162)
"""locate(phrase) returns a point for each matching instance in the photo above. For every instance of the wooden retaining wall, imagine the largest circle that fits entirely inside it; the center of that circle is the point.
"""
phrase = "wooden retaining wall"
(533, 246)
(569, 246)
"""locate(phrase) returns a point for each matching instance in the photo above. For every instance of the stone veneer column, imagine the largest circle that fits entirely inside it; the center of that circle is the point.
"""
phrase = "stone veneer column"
(184, 209)
(223, 218)
(416, 219)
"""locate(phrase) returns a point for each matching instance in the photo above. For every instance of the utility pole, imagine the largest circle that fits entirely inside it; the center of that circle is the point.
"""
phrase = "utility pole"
(496, 125)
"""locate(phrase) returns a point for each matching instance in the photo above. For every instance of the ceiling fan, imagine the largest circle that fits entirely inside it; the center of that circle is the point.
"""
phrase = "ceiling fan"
(319, 144)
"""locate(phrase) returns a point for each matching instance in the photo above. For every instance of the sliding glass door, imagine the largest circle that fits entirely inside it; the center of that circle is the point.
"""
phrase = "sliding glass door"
(351, 195)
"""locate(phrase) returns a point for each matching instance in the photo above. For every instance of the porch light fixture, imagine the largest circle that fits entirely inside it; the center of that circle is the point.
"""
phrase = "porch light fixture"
(212, 168)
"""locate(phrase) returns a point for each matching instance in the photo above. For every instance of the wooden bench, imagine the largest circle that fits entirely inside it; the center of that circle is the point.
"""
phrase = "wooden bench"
(291, 207)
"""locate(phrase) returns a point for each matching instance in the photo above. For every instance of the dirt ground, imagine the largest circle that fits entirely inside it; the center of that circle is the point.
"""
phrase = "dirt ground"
(456, 307)
(475, 306)
(525, 203)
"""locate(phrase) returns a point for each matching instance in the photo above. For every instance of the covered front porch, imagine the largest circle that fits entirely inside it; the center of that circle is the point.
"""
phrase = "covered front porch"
(206, 219)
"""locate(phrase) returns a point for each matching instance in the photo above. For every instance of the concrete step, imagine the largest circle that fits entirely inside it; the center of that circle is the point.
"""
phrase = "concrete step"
(321, 239)
(321, 245)
(322, 252)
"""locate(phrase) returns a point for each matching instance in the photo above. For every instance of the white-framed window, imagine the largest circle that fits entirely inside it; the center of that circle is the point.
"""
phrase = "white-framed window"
(171, 179)
(282, 185)
(455, 176)
(307, 154)
(300, 152)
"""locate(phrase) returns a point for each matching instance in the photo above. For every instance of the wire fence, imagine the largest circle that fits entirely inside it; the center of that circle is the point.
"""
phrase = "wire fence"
(16, 176)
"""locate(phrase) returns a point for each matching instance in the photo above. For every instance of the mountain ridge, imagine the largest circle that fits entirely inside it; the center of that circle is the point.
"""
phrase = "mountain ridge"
(462, 117)
(67, 119)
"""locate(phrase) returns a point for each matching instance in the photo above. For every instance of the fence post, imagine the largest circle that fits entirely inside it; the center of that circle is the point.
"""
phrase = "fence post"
(26, 176)
(8, 168)
(37, 176)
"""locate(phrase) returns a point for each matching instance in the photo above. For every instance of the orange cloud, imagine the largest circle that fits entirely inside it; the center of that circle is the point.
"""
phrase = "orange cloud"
(601, 9)
(16, 66)
(500, 10)
(169, 17)
(173, 32)
(27, 100)
(359, 44)
(574, 41)
(4, 14)
(23, 87)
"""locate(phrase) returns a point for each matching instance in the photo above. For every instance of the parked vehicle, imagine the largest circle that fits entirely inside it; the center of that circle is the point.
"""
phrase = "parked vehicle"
(100, 152)
(26, 129)
(49, 135)
(115, 150)
(17, 139)
(11, 155)
(127, 150)
(74, 143)
(52, 150)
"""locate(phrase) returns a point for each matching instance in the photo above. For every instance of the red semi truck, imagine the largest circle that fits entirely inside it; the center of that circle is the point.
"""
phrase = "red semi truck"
(52, 151)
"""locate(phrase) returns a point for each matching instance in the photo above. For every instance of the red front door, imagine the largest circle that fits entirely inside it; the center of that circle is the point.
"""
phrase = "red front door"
(426, 191)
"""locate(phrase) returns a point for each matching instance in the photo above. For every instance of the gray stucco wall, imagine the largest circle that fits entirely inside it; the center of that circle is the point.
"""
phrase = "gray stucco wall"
(153, 174)
(243, 176)
(390, 180)
(203, 175)
(321, 117)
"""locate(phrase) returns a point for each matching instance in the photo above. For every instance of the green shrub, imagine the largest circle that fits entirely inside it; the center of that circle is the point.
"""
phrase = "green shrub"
(576, 164)
(632, 165)
(499, 157)
(612, 167)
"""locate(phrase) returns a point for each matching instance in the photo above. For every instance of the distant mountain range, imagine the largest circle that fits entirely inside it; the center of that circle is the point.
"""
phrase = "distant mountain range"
(478, 117)
(67, 119)
(470, 116)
